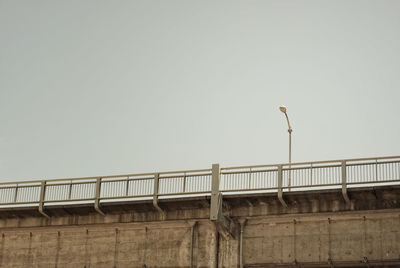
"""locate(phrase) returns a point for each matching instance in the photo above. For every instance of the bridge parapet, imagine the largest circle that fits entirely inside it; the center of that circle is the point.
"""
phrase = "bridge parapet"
(277, 178)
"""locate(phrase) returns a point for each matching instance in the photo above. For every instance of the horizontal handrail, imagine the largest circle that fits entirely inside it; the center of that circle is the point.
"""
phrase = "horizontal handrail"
(112, 176)
(205, 170)
(313, 162)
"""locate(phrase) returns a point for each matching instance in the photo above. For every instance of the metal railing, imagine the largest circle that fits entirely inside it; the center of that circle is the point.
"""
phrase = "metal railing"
(304, 176)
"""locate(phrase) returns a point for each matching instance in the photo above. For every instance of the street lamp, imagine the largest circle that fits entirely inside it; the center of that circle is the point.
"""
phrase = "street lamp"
(283, 109)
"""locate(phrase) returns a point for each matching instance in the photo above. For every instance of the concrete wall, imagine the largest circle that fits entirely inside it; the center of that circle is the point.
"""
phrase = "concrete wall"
(162, 244)
(343, 234)
(343, 238)
(267, 240)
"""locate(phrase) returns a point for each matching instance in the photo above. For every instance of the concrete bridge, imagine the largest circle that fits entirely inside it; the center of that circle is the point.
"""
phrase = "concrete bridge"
(340, 213)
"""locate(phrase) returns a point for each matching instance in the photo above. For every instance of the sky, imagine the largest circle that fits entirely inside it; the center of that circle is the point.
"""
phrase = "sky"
(100, 87)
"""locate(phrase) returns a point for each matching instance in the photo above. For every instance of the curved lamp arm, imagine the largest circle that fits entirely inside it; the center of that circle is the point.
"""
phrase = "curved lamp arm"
(287, 119)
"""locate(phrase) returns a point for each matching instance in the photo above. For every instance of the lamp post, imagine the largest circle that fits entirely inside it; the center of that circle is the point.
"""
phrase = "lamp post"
(283, 109)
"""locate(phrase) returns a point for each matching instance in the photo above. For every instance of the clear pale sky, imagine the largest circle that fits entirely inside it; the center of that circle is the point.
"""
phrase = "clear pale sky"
(111, 87)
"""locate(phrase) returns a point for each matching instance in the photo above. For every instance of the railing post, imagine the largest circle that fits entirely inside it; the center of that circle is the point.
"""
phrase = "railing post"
(155, 194)
(344, 182)
(97, 198)
(16, 193)
(127, 187)
(250, 178)
(184, 183)
(215, 206)
(70, 190)
(41, 200)
(280, 193)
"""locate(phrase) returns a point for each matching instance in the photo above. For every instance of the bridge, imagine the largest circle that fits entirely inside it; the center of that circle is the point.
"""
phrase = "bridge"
(339, 213)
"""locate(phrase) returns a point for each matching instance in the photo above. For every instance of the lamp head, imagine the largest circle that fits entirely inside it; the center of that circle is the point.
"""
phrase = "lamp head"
(282, 108)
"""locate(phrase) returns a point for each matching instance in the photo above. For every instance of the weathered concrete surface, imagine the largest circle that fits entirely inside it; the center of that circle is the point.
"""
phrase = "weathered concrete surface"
(164, 244)
(315, 228)
(346, 237)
